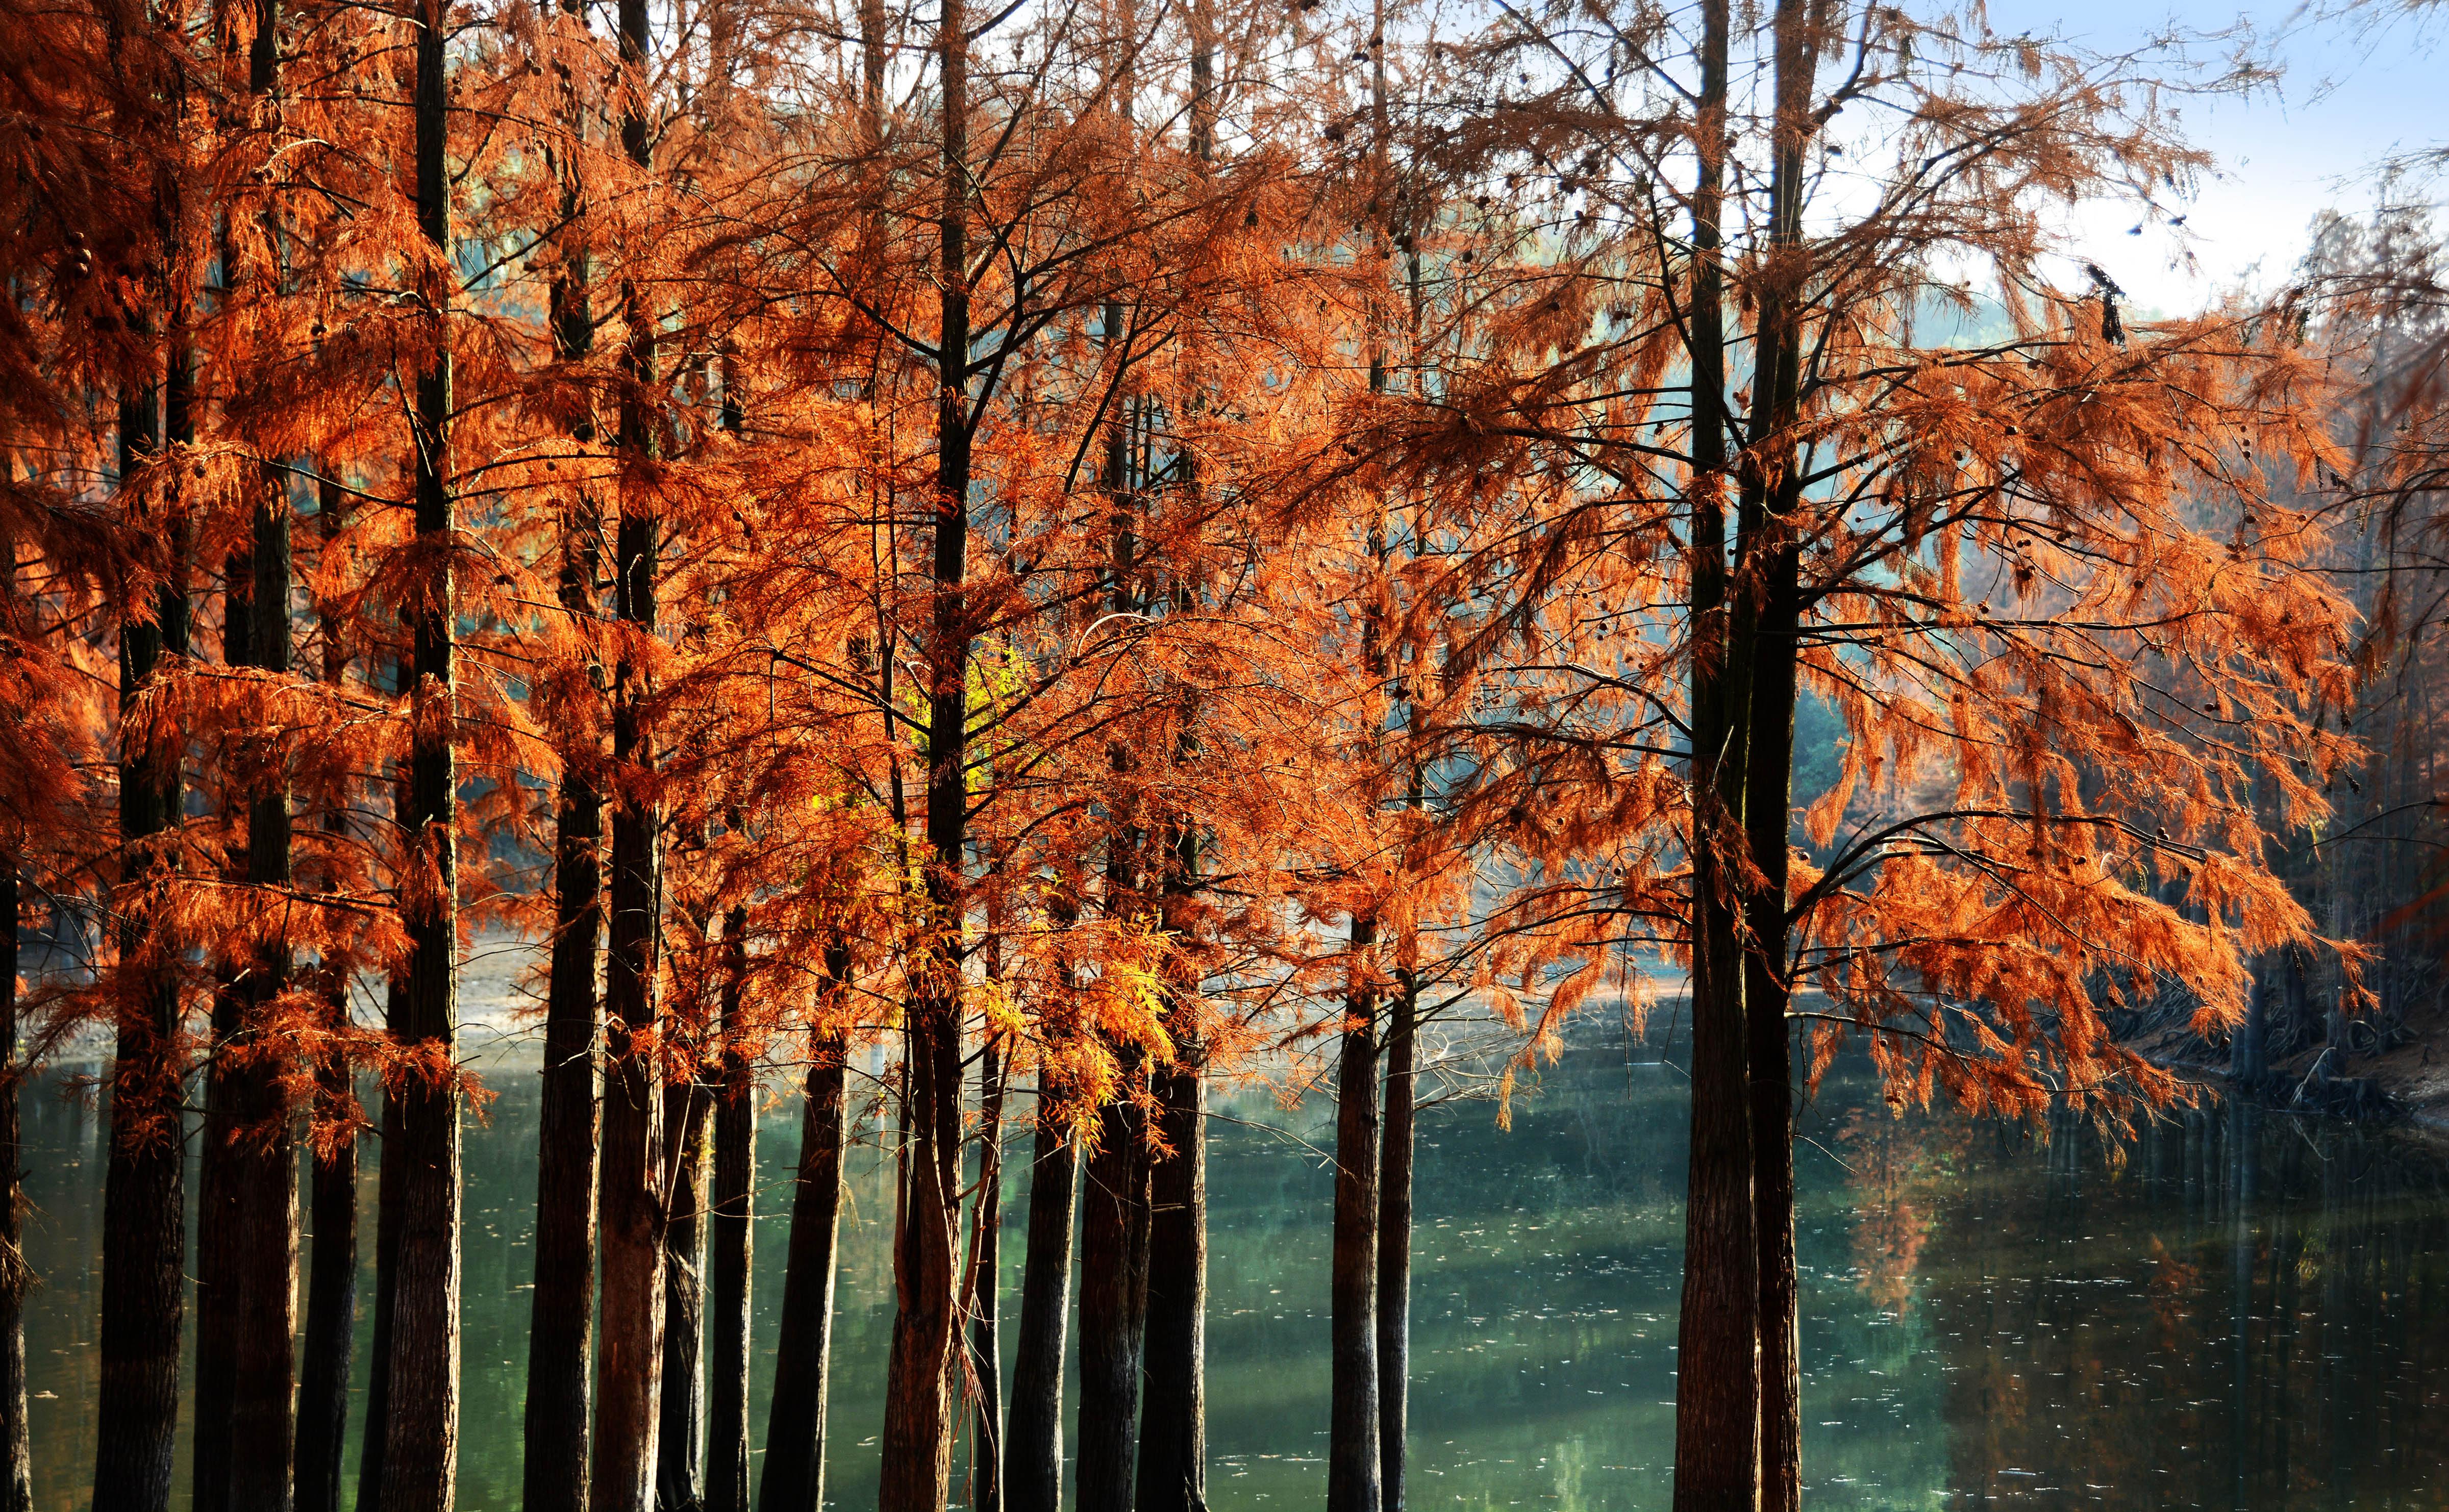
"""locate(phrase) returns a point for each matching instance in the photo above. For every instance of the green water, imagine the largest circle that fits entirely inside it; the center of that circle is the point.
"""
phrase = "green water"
(2247, 1313)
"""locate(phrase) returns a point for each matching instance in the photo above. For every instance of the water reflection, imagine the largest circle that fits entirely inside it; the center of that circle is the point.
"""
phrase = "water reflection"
(2253, 1312)
(2247, 1311)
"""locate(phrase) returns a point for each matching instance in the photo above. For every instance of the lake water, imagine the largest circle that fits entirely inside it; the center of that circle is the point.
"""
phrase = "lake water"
(2247, 1311)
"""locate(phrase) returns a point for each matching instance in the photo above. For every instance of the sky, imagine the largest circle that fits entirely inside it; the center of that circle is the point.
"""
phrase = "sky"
(2350, 94)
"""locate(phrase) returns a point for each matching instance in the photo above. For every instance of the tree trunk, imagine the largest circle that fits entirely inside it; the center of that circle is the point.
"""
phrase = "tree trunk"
(732, 1217)
(332, 1276)
(630, 1380)
(794, 1478)
(218, 1219)
(16, 1446)
(264, 1161)
(1033, 1454)
(2247, 1057)
(420, 1457)
(144, 1238)
(1772, 493)
(1394, 1249)
(217, 1237)
(680, 1462)
(1113, 1301)
(562, 1307)
(1174, 1420)
(561, 1311)
(1352, 1449)
(374, 1444)
(331, 1283)
(986, 1272)
(1717, 1393)
(1768, 1053)
(263, 1165)
(629, 1375)
(917, 1417)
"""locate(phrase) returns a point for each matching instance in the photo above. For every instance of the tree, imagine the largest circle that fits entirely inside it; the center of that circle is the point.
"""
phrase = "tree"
(1864, 467)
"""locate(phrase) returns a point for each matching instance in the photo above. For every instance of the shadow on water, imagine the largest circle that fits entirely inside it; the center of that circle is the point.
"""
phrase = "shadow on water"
(2248, 1310)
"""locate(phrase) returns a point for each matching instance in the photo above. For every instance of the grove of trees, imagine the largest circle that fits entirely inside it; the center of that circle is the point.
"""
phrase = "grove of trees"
(1019, 562)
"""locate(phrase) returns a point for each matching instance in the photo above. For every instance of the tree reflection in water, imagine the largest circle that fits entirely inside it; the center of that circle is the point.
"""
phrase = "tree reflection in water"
(2248, 1310)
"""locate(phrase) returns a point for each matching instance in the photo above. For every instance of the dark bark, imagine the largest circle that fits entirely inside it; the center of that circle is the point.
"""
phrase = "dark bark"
(561, 1311)
(1395, 1248)
(1352, 1452)
(331, 1283)
(2248, 1055)
(421, 1427)
(217, 1202)
(1771, 494)
(1113, 1301)
(731, 1217)
(1770, 1062)
(1173, 1417)
(1033, 1453)
(264, 1164)
(16, 1446)
(144, 1218)
(918, 1417)
(215, 1261)
(630, 1372)
(986, 1272)
(373, 1446)
(562, 1307)
(794, 1477)
(1717, 1395)
(679, 1458)
(917, 1448)
(263, 1159)
(629, 1390)
(327, 1356)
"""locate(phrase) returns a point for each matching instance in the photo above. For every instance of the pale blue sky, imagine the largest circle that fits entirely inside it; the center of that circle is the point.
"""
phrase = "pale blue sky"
(2353, 92)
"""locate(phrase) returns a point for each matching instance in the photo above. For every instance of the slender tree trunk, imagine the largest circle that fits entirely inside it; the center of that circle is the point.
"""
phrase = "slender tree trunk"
(16, 1446)
(420, 1457)
(1113, 1302)
(629, 1379)
(794, 1477)
(1395, 1248)
(986, 1271)
(629, 1375)
(562, 1307)
(144, 1238)
(732, 1217)
(1174, 1420)
(1173, 1431)
(375, 1444)
(1032, 1456)
(221, 1198)
(261, 1279)
(917, 1416)
(1769, 1055)
(1717, 1394)
(1352, 1452)
(331, 1281)
(1771, 496)
(215, 1390)
(332, 1276)
(680, 1467)
(263, 1161)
